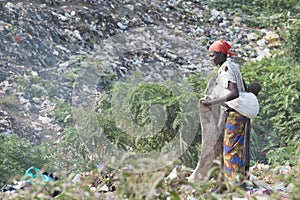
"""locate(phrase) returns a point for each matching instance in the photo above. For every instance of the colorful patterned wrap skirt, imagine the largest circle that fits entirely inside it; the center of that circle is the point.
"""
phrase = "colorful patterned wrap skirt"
(233, 147)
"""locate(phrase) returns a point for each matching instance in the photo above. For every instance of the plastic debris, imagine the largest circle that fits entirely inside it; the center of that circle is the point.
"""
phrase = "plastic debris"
(273, 39)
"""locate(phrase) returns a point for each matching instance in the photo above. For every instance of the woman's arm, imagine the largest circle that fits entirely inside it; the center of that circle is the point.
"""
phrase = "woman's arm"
(234, 93)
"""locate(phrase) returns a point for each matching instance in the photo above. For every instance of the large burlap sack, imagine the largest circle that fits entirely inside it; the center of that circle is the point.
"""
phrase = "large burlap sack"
(212, 125)
(212, 120)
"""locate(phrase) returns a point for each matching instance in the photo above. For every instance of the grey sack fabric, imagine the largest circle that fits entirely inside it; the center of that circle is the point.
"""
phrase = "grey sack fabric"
(212, 125)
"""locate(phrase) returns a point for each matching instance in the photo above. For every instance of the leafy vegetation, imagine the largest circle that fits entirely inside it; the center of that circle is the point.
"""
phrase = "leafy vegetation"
(150, 115)
(260, 13)
(279, 104)
(35, 86)
(17, 154)
(292, 37)
(128, 113)
(63, 112)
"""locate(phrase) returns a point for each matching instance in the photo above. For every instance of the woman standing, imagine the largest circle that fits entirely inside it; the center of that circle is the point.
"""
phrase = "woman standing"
(230, 83)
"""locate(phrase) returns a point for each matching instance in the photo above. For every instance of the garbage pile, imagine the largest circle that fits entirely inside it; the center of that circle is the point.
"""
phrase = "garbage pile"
(32, 176)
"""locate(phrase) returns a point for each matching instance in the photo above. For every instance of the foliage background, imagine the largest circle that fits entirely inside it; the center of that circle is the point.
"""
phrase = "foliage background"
(275, 133)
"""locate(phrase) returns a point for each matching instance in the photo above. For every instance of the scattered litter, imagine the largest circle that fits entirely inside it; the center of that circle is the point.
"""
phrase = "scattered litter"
(32, 176)
(273, 39)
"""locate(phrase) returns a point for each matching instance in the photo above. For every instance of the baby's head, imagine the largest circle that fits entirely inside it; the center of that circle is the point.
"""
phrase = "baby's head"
(254, 88)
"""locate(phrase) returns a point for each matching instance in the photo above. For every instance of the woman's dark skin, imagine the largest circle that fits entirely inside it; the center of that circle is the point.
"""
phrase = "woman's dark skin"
(218, 59)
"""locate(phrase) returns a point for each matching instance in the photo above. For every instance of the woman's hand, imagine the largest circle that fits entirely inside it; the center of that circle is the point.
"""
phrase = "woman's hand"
(234, 93)
(206, 102)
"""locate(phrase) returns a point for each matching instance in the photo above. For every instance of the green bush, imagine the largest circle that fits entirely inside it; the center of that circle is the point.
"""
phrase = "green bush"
(37, 87)
(260, 13)
(147, 116)
(146, 104)
(279, 101)
(69, 156)
(292, 39)
(281, 155)
(63, 112)
(198, 83)
(17, 155)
